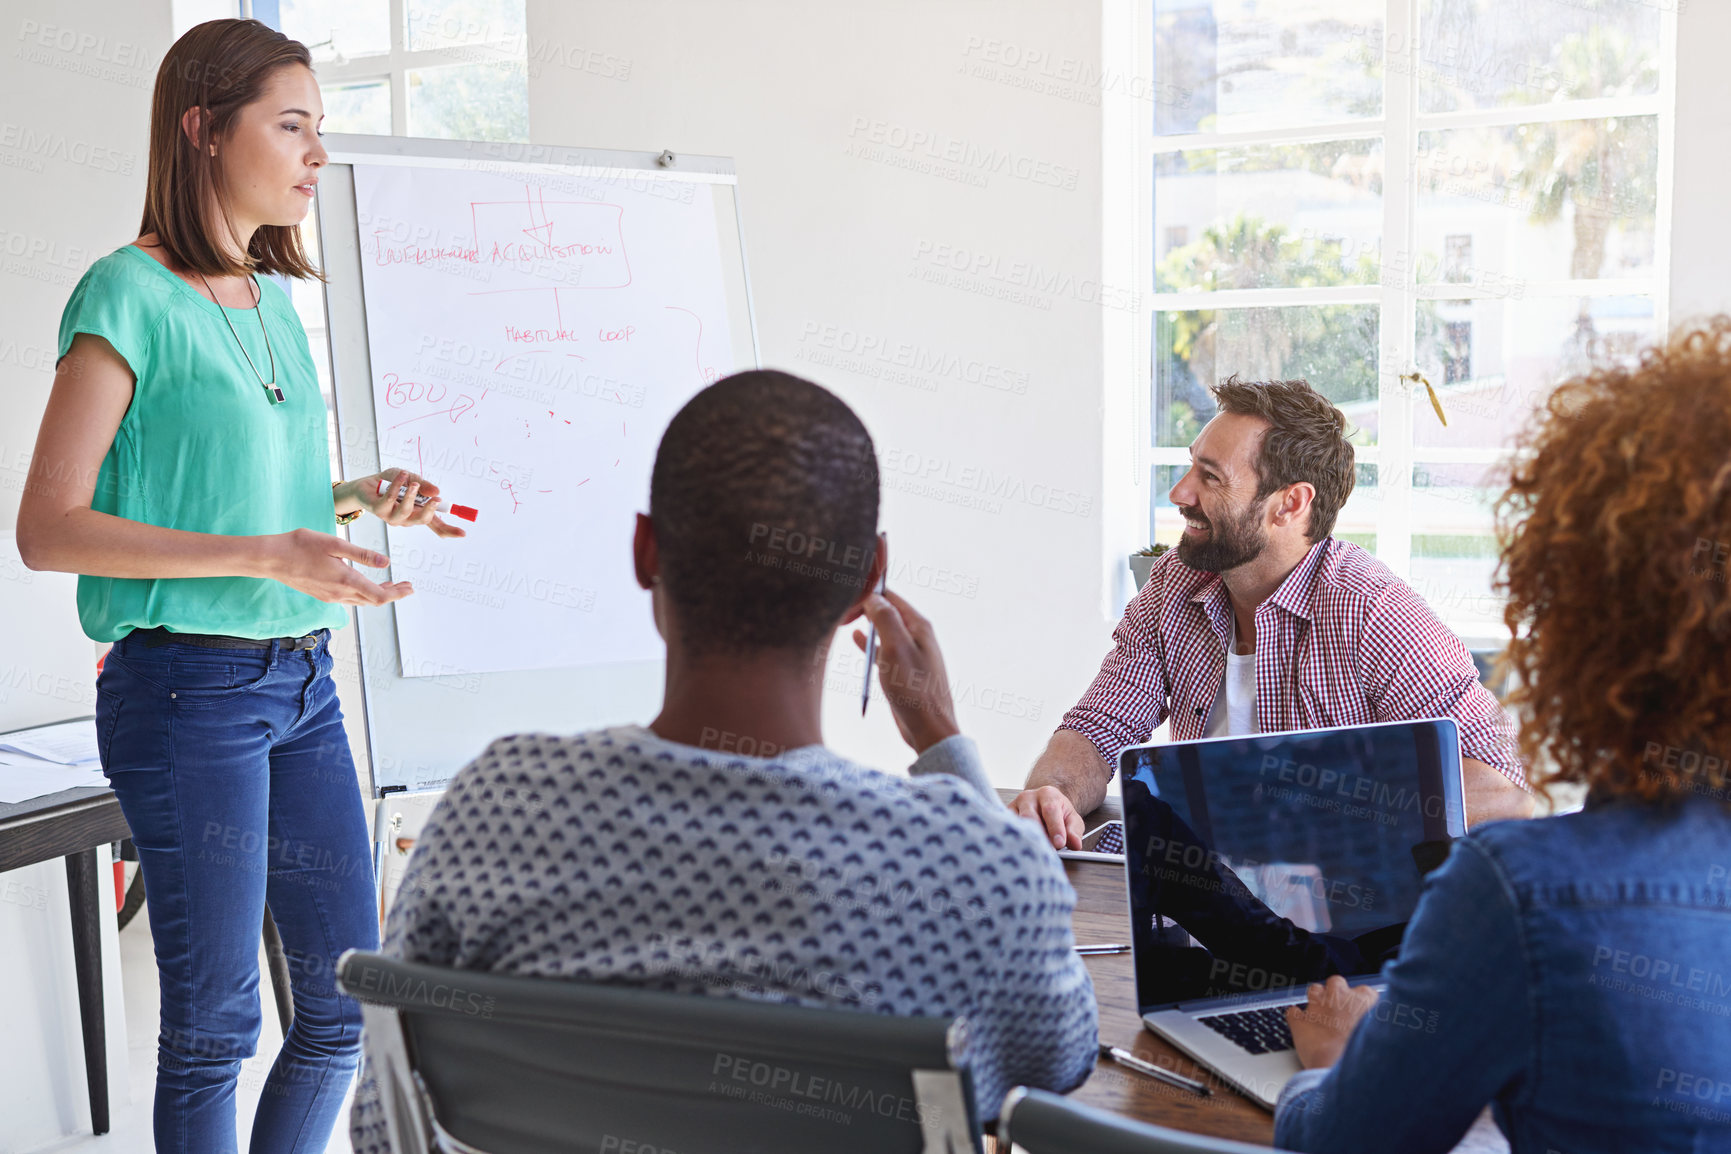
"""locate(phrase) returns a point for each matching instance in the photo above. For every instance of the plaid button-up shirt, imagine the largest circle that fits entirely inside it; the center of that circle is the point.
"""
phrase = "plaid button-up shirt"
(1343, 641)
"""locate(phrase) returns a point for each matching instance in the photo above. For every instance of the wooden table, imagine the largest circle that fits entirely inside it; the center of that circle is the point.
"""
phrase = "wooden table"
(1103, 915)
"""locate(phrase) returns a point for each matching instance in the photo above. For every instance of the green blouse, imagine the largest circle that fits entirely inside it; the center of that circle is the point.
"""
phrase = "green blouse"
(202, 448)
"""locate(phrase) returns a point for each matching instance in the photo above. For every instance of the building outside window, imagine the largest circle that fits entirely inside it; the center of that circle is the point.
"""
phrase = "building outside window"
(1458, 258)
(1456, 349)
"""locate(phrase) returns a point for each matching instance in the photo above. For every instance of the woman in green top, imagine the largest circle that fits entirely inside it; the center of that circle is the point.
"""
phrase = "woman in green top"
(182, 470)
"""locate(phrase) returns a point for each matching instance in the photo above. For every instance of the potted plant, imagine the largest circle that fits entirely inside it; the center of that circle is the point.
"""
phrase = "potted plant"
(1142, 560)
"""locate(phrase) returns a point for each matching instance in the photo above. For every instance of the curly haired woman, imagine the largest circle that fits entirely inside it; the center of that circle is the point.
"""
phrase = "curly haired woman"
(1578, 967)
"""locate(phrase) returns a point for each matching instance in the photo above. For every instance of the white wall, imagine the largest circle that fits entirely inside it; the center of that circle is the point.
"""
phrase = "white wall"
(1700, 226)
(863, 139)
(74, 106)
(75, 89)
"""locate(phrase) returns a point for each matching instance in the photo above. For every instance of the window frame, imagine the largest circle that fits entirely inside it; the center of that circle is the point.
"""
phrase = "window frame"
(394, 66)
(1130, 228)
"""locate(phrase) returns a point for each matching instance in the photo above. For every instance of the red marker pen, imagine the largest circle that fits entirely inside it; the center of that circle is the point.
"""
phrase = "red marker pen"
(462, 511)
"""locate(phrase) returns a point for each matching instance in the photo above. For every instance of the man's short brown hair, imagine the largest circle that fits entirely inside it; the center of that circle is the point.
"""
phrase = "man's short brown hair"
(1306, 441)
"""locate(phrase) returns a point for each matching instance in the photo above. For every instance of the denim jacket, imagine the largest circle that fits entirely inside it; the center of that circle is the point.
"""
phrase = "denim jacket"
(1572, 972)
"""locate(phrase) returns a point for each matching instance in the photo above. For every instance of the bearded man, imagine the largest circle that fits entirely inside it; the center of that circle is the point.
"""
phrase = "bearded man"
(1260, 622)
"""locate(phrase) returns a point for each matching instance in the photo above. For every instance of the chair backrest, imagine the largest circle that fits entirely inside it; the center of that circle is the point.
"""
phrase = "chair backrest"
(501, 1064)
(1043, 1123)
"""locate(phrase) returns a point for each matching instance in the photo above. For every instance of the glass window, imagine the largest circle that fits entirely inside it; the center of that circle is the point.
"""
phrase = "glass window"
(364, 106)
(1435, 273)
(435, 24)
(1458, 257)
(470, 102)
(1288, 215)
(449, 69)
(1563, 200)
(1454, 545)
(1223, 65)
(337, 30)
(1332, 346)
(1493, 362)
(1494, 54)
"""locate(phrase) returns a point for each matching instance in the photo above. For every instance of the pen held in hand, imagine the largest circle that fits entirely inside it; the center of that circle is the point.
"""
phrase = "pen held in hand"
(463, 511)
(871, 652)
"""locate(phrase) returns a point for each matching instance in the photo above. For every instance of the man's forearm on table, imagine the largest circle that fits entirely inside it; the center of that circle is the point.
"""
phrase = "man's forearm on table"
(1073, 765)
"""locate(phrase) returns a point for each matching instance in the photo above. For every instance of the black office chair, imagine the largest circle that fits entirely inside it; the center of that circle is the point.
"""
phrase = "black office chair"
(1043, 1123)
(483, 1063)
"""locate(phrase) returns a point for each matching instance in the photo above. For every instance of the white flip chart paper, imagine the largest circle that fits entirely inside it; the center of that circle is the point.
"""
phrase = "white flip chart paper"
(531, 336)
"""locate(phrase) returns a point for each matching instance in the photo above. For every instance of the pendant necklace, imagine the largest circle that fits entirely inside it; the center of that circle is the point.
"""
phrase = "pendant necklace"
(271, 391)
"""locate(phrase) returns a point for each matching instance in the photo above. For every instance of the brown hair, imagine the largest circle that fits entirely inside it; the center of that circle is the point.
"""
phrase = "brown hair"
(1306, 441)
(219, 66)
(1616, 532)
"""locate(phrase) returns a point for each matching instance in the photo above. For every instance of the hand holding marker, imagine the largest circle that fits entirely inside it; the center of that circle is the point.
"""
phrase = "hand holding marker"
(463, 511)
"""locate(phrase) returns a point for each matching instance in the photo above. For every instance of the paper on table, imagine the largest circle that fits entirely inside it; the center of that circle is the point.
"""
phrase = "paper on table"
(22, 778)
(69, 743)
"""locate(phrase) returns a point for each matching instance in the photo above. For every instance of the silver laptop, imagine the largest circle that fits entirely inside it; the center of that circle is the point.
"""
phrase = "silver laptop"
(1257, 865)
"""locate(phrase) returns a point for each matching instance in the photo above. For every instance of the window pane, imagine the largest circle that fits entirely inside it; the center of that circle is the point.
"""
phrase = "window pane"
(470, 102)
(1454, 548)
(339, 29)
(1275, 216)
(361, 107)
(1492, 362)
(1332, 346)
(308, 298)
(1226, 65)
(1572, 200)
(1492, 54)
(455, 23)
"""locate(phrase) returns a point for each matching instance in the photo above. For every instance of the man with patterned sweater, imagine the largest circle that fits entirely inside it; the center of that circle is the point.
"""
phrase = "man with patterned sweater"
(1259, 622)
(721, 849)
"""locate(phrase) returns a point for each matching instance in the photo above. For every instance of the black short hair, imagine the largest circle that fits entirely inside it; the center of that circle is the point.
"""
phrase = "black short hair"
(765, 503)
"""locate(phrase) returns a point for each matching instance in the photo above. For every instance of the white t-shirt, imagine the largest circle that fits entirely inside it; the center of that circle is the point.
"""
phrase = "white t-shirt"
(1234, 710)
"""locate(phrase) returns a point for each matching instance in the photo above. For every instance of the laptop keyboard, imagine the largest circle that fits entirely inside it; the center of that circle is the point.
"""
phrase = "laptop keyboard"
(1257, 1031)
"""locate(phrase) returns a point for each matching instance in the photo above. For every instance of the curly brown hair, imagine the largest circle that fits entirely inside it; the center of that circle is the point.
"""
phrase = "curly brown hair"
(1616, 534)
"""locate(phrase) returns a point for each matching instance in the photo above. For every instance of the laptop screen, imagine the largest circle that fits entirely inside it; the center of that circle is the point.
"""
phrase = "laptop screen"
(1261, 864)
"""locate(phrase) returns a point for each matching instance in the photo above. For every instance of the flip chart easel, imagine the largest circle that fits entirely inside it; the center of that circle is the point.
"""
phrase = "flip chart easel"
(518, 323)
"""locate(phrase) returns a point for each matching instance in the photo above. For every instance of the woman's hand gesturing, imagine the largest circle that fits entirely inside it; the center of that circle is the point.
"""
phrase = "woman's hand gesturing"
(316, 564)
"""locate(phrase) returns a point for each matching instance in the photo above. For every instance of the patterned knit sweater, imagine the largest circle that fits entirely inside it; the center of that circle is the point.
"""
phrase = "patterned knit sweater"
(616, 856)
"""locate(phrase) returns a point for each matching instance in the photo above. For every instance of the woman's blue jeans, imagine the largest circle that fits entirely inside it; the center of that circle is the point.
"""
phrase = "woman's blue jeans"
(233, 770)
